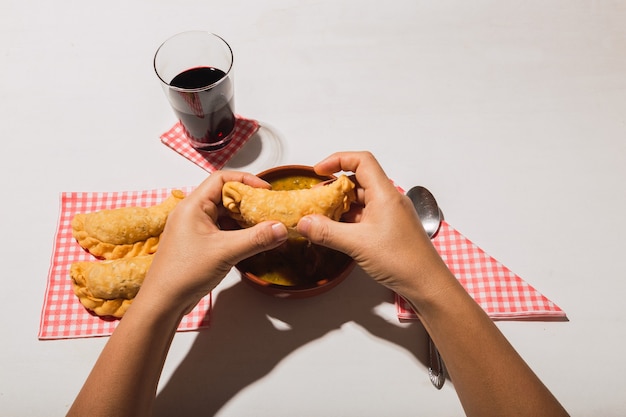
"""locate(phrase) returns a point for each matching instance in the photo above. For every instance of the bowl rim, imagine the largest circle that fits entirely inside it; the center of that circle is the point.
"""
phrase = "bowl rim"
(308, 169)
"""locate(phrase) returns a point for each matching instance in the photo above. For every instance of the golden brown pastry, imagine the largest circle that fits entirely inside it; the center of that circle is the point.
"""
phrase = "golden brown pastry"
(108, 287)
(123, 232)
(250, 206)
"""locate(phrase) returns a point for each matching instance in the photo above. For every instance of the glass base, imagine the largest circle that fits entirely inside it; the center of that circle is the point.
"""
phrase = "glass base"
(212, 147)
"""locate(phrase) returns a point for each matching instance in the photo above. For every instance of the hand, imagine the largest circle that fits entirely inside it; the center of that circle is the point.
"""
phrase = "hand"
(194, 255)
(386, 237)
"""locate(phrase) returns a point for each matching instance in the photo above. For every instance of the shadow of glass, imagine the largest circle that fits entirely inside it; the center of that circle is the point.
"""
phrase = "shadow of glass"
(242, 345)
(263, 150)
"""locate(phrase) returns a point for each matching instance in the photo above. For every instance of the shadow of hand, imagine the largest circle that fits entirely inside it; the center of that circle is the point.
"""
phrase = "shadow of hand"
(251, 333)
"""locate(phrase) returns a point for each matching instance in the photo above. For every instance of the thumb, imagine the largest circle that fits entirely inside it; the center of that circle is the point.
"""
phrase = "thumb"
(259, 238)
(324, 231)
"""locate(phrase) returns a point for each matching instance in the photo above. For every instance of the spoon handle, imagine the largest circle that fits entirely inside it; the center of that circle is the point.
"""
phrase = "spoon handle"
(436, 370)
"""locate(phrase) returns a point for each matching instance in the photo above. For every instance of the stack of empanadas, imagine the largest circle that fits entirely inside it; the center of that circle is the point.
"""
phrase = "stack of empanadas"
(126, 238)
(250, 206)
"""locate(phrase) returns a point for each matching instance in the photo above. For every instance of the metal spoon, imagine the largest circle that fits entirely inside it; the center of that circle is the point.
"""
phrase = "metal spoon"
(427, 209)
(430, 215)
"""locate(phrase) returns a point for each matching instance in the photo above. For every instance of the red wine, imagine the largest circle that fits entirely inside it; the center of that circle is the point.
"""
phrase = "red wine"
(198, 77)
(206, 114)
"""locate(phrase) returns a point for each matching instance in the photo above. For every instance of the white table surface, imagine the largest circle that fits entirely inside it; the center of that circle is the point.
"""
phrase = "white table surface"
(512, 113)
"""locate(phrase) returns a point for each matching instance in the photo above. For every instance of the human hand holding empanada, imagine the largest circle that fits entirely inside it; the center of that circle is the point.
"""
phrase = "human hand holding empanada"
(385, 226)
(195, 254)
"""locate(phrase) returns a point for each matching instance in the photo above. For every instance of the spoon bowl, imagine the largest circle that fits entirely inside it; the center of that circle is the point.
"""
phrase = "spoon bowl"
(427, 209)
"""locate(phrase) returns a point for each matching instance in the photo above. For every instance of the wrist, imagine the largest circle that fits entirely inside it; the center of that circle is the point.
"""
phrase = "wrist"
(427, 285)
(154, 303)
(172, 289)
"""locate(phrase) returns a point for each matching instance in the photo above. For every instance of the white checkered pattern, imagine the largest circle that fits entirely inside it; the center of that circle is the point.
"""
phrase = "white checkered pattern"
(500, 292)
(210, 161)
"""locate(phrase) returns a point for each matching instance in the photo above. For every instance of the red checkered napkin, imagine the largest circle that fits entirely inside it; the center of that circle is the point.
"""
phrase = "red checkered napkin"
(210, 161)
(500, 292)
(62, 315)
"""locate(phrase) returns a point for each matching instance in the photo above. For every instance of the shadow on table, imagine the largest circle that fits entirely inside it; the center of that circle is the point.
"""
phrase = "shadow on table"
(242, 345)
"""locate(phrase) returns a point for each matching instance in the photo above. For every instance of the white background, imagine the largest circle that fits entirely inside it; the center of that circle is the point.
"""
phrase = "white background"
(512, 113)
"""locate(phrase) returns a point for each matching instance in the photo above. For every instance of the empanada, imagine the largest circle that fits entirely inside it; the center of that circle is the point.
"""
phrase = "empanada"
(250, 206)
(123, 232)
(108, 287)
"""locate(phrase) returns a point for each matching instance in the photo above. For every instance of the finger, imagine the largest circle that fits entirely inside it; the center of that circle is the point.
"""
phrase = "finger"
(323, 231)
(211, 187)
(367, 170)
(264, 236)
(353, 215)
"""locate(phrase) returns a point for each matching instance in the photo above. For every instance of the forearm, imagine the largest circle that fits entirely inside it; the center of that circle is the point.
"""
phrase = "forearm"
(488, 374)
(194, 256)
(124, 379)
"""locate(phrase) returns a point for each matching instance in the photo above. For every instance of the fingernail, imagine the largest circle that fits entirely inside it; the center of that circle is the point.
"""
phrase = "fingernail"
(304, 224)
(280, 231)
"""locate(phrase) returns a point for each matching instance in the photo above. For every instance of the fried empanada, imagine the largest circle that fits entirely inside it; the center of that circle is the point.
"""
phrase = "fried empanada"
(108, 287)
(250, 206)
(123, 232)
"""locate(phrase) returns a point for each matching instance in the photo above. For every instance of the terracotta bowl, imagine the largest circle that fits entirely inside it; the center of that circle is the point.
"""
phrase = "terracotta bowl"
(297, 269)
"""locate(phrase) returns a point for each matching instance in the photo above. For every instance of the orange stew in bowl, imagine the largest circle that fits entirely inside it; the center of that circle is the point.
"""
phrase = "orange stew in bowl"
(296, 182)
